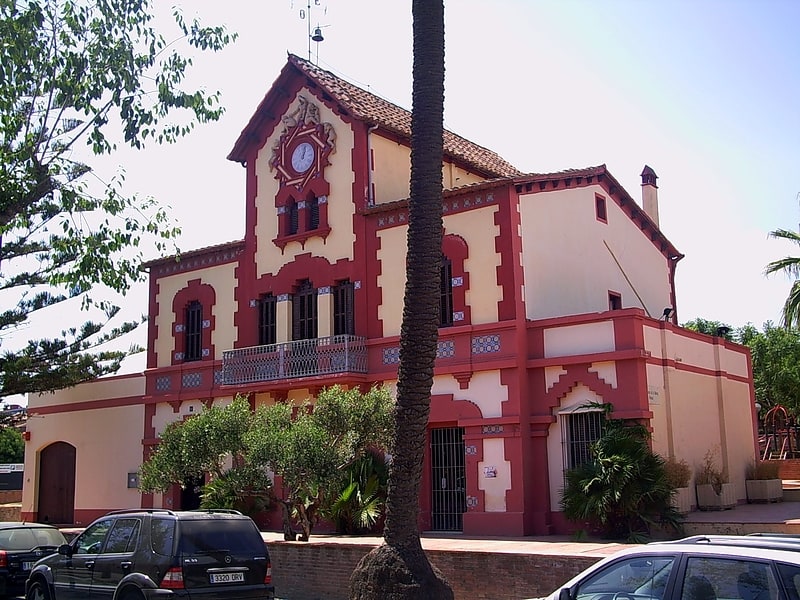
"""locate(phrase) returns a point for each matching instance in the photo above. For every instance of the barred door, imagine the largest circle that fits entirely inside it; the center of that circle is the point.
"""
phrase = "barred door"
(449, 478)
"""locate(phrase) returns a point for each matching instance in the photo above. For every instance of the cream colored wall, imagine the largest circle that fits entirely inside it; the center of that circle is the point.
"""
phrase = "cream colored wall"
(339, 174)
(106, 388)
(391, 173)
(478, 230)
(494, 475)
(586, 338)
(103, 456)
(702, 412)
(222, 279)
(567, 267)
(485, 391)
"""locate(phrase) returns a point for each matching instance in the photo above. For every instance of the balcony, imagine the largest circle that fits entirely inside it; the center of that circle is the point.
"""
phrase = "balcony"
(290, 360)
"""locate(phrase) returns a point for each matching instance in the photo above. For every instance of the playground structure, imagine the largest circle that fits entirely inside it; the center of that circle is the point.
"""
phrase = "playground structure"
(778, 440)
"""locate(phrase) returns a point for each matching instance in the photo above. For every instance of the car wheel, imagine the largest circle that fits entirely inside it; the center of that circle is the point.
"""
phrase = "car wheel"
(38, 591)
(132, 595)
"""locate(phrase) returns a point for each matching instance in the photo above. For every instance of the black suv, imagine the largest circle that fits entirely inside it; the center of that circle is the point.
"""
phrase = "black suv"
(156, 553)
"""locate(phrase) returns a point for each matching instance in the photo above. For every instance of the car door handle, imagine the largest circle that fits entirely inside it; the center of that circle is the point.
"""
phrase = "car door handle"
(126, 565)
(90, 564)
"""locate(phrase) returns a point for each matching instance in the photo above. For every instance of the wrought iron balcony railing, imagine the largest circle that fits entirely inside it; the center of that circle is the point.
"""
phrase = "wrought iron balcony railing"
(301, 358)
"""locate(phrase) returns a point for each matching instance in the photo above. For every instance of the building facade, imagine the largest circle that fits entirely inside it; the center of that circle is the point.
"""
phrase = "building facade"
(557, 290)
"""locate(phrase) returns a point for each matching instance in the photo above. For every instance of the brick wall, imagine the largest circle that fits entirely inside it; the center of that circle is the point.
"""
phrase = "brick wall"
(789, 468)
(321, 571)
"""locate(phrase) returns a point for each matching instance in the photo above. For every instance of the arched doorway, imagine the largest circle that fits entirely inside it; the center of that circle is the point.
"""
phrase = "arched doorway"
(57, 484)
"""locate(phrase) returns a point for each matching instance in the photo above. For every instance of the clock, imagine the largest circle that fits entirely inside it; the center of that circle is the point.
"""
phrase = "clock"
(302, 157)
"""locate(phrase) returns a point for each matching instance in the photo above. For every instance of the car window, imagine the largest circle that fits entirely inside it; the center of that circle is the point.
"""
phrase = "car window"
(712, 578)
(790, 575)
(233, 536)
(162, 535)
(123, 537)
(91, 540)
(28, 538)
(638, 577)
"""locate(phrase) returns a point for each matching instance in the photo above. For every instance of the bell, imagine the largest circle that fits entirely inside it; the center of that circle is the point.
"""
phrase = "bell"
(317, 37)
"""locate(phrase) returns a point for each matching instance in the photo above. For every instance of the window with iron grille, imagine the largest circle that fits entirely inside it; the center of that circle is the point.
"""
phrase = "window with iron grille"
(343, 321)
(291, 218)
(579, 431)
(312, 207)
(267, 319)
(446, 293)
(193, 349)
(304, 312)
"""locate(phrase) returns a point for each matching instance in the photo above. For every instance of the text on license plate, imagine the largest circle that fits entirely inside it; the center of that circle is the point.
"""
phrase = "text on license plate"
(28, 565)
(226, 577)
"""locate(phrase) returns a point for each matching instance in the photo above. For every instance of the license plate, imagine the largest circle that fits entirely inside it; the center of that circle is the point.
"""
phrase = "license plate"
(227, 577)
(28, 565)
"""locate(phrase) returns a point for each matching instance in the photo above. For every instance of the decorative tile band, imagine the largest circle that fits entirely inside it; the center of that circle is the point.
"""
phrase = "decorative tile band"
(391, 356)
(488, 429)
(190, 380)
(163, 383)
(484, 344)
(446, 349)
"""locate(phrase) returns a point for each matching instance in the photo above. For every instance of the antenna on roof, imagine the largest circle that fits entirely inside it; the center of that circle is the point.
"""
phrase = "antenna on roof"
(316, 36)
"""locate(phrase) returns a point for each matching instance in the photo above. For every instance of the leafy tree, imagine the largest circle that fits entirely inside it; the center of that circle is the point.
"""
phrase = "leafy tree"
(791, 266)
(12, 446)
(399, 568)
(76, 78)
(309, 447)
(210, 443)
(624, 487)
(716, 328)
(775, 354)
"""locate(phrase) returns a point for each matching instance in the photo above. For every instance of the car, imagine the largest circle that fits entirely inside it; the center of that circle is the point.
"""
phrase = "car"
(143, 554)
(703, 567)
(21, 545)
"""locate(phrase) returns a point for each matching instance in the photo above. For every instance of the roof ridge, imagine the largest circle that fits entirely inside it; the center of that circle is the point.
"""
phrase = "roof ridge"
(371, 107)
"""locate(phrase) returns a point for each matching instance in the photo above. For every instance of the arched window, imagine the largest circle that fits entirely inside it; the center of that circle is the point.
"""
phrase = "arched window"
(446, 294)
(193, 348)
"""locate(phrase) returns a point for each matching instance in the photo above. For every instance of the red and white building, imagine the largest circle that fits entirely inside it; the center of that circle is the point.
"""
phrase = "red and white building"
(558, 289)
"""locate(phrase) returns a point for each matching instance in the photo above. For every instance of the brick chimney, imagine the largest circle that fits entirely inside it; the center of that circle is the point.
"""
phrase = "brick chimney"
(650, 193)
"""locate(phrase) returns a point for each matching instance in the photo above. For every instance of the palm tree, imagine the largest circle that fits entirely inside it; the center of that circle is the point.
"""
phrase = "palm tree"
(791, 266)
(399, 569)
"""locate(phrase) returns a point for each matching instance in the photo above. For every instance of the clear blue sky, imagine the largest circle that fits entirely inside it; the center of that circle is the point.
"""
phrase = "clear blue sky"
(704, 91)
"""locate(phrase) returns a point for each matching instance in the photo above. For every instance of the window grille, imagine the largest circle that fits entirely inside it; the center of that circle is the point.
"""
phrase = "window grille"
(194, 331)
(267, 320)
(579, 431)
(343, 312)
(446, 293)
(449, 485)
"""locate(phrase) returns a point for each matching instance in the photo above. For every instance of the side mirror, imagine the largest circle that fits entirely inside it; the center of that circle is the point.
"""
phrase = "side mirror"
(65, 550)
(563, 594)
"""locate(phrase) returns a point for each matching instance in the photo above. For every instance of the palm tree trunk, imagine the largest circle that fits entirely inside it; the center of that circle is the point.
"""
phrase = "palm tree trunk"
(399, 569)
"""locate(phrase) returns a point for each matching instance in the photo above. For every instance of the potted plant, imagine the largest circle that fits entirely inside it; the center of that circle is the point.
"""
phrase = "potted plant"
(678, 474)
(714, 491)
(762, 482)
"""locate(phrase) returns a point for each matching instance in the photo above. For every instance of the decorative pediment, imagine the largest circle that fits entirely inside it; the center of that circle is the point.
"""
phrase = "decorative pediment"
(302, 151)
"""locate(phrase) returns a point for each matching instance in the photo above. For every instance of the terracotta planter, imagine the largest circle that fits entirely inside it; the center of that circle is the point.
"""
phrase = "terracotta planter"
(764, 490)
(709, 499)
(682, 500)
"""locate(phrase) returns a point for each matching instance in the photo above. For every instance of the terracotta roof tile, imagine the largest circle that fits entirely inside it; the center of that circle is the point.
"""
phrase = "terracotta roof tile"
(374, 109)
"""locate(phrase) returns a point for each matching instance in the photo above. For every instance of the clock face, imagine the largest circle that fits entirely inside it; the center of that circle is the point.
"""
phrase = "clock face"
(302, 157)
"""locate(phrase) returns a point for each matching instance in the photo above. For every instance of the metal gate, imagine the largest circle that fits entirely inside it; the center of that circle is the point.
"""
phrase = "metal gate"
(449, 478)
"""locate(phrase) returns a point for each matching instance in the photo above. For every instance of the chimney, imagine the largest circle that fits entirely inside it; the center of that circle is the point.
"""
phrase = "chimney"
(650, 193)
